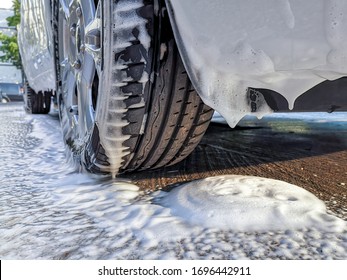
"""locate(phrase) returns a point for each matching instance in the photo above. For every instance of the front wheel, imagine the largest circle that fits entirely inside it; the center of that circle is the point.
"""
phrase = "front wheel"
(126, 102)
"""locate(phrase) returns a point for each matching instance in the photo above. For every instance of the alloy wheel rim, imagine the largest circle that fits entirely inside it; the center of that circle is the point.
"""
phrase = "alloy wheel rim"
(80, 62)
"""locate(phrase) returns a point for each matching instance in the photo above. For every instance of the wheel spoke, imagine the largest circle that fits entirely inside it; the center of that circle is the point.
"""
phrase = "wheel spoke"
(64, 6)
(70, 98)
(92, 38)
(84, 87)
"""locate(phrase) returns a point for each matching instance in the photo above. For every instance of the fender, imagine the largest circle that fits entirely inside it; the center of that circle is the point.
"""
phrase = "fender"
(256, 57)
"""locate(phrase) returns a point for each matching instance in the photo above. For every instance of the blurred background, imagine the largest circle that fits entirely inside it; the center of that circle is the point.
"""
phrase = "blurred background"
(10, 64)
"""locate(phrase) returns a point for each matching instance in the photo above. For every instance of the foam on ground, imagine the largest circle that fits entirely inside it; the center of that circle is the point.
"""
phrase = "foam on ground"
(246, 203)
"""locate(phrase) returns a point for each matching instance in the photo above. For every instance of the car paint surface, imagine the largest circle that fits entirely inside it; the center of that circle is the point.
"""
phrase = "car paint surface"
(36, 44)
(230, 47)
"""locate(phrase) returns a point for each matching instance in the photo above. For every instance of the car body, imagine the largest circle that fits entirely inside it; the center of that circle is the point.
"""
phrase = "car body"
(288, 52)
(35, 42)
(110, 70)
(11, 91)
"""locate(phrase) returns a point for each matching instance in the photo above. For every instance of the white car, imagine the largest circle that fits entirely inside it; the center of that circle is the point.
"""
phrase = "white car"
(137, 81)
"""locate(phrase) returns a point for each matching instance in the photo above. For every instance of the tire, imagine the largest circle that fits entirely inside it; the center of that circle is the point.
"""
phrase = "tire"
(37, 103)
(125, 100)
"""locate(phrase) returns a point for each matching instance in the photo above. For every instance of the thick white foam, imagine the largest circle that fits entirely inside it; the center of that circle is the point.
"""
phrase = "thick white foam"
(288, 46)
(245, 203)
(49, 212)
(110, 122)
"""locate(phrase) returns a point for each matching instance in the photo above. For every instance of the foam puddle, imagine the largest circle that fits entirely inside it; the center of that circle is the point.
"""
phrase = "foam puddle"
(245, 203)
(239, 204)
(218, 217)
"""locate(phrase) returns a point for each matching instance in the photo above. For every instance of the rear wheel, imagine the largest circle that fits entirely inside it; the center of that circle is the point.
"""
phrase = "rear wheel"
(126, 102)
(36, 103)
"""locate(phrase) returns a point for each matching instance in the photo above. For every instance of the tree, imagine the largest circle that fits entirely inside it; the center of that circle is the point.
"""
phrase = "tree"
(9, 46)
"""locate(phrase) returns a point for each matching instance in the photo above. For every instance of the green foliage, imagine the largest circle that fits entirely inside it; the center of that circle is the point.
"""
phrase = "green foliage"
(9, 45)
(10, 50)
(15, 19)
